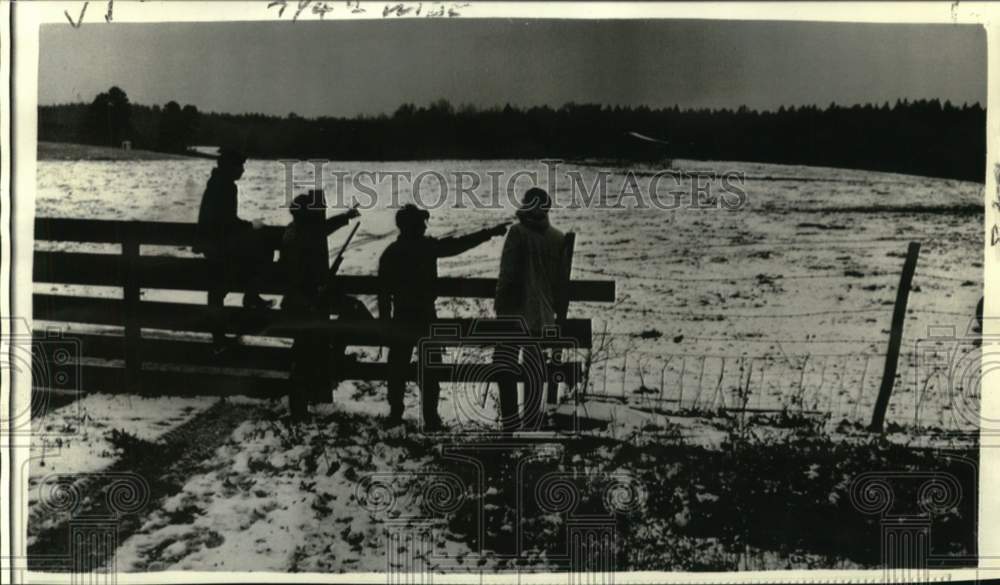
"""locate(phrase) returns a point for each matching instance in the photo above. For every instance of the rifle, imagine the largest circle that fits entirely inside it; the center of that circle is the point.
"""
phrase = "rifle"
(340, 303)
(335, 267)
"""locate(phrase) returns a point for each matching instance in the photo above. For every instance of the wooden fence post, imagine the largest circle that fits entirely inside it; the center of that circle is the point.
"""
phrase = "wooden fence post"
(562, 306)
(133, 331)
(895, 337)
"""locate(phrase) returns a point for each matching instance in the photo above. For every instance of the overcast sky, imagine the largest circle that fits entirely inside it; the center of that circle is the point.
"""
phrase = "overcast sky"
(347, 68)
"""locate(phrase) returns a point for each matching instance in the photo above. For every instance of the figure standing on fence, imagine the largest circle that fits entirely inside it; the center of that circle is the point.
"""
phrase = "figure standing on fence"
(238, 251)
(303, 264)
(408, 280)
(528, 285)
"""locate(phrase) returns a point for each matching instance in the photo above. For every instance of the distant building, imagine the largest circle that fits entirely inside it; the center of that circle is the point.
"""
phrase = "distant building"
(126, 145)
(212, 151)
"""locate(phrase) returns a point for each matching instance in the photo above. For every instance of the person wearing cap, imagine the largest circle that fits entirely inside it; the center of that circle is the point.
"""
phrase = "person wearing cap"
(408, 275)
(530, 267)
(303, 244)
(238, 250)
(303, 263)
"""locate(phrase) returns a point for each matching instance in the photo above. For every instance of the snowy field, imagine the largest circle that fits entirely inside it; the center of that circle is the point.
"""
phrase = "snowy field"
(785, 303)
(782, 306)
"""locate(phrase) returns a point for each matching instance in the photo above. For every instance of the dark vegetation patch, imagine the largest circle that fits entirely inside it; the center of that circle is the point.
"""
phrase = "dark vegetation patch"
(765, 500)
(777, 492)
(950, 209)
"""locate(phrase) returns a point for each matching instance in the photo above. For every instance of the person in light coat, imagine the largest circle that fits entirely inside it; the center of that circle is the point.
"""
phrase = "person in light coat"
(531, 267)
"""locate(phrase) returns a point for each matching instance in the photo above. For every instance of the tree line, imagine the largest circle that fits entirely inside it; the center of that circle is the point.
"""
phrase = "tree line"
(111, 119)
(922, 137)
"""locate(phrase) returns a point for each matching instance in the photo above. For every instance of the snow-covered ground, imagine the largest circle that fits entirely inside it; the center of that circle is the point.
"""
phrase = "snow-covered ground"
(783, 303)
(276, 500)
(73, 444)
(73, 439)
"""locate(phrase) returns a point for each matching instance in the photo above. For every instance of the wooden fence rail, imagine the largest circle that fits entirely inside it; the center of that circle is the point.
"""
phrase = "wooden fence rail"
(162, 347)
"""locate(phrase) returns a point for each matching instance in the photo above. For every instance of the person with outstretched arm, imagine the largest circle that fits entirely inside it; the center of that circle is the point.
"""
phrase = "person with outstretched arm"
(408, 275)
(303, 261)
(528, 289)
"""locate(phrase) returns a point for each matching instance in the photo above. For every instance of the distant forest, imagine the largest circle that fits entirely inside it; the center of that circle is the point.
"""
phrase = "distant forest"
(923, 137)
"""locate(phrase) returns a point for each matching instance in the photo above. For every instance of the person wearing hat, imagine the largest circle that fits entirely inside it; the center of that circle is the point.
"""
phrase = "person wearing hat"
(238, 250)
(304, 267)
(408, 275)
(530, 267)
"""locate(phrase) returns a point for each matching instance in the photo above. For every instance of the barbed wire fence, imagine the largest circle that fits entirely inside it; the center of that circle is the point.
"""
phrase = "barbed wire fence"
(937, 385)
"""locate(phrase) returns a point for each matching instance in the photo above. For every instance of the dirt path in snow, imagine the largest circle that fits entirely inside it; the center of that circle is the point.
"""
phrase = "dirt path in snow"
(152, 470)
